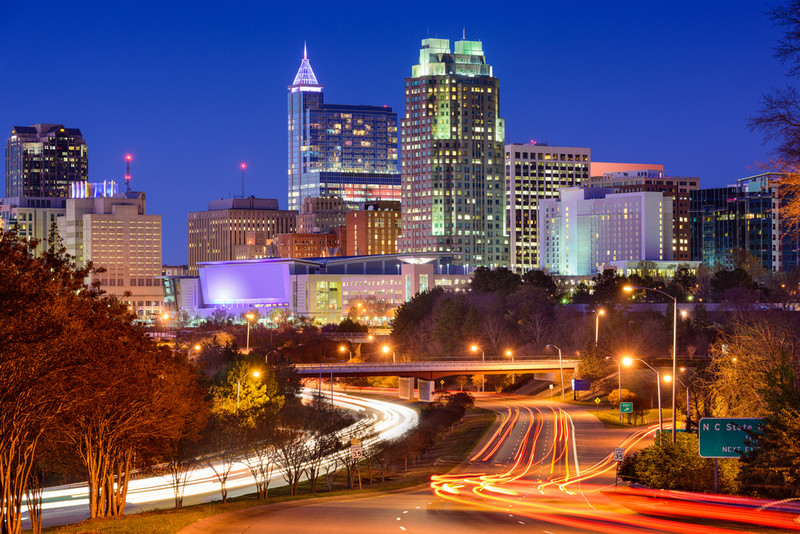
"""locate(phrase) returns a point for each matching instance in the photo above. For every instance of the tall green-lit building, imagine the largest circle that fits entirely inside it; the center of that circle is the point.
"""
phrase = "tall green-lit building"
(452, 157)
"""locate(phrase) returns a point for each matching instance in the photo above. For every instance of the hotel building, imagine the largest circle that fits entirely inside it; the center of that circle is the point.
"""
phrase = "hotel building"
(588, 227)
(373, 230)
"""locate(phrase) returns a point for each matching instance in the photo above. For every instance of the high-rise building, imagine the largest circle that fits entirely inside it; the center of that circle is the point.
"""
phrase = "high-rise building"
(534, 172)
(452, 167)
(44, 159)
(215, 234)
(321, 215)
(116, 233)
(374, 229)
(588, 227)
(745, 216)
(307, 245)
(678, 188)
(32, 218)
(335, 150)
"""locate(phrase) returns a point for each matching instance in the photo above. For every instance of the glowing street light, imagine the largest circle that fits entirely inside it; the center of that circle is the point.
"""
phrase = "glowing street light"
(561, 365)
(483, 358)
(342, 349)
(597, 325)
(239, 387)
(619, 384)
(674, 352)
(387, 350)
(629, 361)
(249, 317)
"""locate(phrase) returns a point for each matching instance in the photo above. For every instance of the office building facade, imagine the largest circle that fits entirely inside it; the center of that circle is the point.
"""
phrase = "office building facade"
(44, 159)
(374, 229)
(452, 166)
(116, 233)
(339, 150)
(215, 234)
(744, 216)
(678, 188)
(534, 172)
(321, 215)
(586, 228)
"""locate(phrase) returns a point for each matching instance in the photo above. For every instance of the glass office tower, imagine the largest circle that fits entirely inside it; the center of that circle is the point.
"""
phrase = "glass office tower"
(336, 150)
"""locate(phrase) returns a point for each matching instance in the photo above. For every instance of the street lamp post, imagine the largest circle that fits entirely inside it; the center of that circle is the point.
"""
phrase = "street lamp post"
(667, 378)
(266, 358)
(597, 326)
(561, 366)
(249, 318)
(342, 349)
(239, 388)
(483, 358)
(387, 350)
(629, 361)
(511, 355)
(674, 351)
(619, 384)
(196, 349)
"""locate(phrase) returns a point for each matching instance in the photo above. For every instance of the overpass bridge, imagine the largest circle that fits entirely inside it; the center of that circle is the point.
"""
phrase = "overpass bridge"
(428, 371)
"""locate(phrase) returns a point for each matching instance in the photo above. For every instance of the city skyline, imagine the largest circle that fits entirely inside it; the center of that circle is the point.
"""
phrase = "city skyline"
(193, 93)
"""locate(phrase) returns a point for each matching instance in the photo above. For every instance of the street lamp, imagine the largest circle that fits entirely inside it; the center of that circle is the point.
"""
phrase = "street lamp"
(249, 317)
(561, 365)
(239, 388)
(342, 349)
(667, 378)
(674, 351)
(619, 384)
(483, 358)
(387, 350)
(513, 376)
(597, 325)
(196, 349)
(629, 361)
(266, 358)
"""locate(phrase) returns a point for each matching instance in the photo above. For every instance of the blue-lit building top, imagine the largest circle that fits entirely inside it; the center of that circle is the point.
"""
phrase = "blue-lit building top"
(336, 150)
(743, 216)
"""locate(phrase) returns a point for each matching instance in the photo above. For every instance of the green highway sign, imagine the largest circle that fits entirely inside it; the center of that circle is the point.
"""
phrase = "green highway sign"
(626, 407)
(724, 437)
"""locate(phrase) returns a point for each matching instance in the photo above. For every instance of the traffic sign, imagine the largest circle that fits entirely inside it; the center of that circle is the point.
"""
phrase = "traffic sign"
(721, 437)
(626, 407)
(619, 454)
(355, 449)
(597, 400)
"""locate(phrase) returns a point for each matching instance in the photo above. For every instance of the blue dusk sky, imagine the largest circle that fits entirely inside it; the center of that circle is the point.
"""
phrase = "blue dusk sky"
(193, 89)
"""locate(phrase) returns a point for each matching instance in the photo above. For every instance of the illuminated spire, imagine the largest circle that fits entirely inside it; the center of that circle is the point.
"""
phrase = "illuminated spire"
(305, 75)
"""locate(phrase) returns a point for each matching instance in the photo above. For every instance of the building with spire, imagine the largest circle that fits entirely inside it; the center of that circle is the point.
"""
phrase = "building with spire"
(338, 150)
(452, 164)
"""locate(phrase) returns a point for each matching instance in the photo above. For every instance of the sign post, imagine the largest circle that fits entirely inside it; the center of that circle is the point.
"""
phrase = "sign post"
(357, 453)
(619, 456)
(551, 391)
(725, 437)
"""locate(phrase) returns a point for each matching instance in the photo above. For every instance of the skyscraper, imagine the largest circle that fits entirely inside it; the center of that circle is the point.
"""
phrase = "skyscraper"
(535, 172)
(452, 163)
(339, 150)
(43, 159)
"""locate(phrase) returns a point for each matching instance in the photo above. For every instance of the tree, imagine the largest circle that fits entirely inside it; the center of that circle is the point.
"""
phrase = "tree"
(674, 467)
(223, 448)
(500, 281)
(771, 466)
(541, 280)
(462, 381)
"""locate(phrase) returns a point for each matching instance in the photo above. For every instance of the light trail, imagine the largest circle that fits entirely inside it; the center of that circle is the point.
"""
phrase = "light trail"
(382, 420)
(560, 498)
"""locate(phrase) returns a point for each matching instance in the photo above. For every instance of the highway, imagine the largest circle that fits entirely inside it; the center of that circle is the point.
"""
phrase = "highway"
(542, 468)
(69, 504)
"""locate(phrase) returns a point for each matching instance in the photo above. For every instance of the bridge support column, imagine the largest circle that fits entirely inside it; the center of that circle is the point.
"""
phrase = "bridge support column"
(426, 388)
(406, 387)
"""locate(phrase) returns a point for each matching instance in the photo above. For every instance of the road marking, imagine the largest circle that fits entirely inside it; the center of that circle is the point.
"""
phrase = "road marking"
(521, 522)
(398, 519)
(547, 532)
(405, 512)
(402, 528)
(417, 508)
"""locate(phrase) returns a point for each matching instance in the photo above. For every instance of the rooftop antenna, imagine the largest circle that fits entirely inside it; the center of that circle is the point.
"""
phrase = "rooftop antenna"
(128, 172)
(305, 50)
(244, 166)
(464, 34)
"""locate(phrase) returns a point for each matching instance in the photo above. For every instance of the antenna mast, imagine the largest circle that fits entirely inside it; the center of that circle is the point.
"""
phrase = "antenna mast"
(243, 168)
(128, 173)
